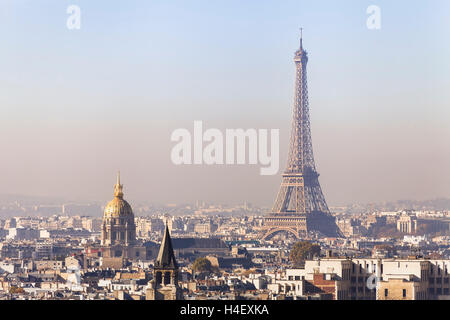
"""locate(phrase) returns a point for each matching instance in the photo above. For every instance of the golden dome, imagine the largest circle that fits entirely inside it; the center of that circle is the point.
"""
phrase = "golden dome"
(118, 207)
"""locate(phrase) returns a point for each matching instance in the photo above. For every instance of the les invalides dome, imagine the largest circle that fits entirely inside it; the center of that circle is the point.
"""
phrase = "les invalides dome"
(118, 220)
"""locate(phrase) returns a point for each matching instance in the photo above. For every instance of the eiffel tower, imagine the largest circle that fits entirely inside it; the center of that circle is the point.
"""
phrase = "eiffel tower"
(300, 206)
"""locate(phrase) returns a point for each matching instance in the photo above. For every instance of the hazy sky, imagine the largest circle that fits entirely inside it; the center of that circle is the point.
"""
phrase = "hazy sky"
(77, 105)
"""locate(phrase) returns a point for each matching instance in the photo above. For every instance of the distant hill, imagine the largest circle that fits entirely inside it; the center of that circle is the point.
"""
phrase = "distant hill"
(439, 204)
(30, 200)
(23, 205)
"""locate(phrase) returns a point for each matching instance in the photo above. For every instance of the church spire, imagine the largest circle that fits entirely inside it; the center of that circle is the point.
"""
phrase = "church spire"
(166, 256)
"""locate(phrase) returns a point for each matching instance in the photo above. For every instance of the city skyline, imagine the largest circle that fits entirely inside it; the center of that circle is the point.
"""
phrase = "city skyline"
(234, 157)
(77, 106)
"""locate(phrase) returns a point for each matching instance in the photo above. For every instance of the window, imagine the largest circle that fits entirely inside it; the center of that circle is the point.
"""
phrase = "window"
(386, 292)
(404, 293)
(346, 274)
(167, 277)
(158, 277)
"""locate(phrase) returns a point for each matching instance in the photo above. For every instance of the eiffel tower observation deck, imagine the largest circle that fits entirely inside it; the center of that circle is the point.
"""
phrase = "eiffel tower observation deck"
(300, 207)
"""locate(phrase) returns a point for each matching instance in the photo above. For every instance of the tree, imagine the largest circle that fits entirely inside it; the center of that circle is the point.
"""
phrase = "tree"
(303, 250)
(15, 289)
(202, 265)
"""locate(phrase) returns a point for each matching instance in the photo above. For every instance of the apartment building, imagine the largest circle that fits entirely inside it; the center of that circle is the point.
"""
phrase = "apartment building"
(368, 279)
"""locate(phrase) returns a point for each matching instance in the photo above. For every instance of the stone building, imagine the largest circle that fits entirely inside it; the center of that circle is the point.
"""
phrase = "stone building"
(407, 224)
(203, 228)
(401, 289)
(192, 248)
(369, 279)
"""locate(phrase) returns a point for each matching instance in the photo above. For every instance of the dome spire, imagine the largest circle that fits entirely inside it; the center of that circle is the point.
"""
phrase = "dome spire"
(118, 192)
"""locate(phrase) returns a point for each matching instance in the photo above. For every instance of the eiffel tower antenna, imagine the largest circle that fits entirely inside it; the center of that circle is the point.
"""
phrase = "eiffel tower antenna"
(301, 38)
(300, 206)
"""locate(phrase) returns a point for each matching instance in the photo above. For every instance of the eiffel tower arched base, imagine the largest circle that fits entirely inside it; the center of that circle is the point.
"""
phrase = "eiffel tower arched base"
(272, 232)
(300, 224)
(293, 224)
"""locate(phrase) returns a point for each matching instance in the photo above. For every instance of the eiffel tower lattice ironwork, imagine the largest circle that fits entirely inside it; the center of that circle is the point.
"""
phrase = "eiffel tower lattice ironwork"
(300, 206)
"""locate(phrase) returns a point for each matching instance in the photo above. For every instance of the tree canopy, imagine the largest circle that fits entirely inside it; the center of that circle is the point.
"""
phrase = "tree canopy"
(303, 250)
(202, 265)
(15, 289)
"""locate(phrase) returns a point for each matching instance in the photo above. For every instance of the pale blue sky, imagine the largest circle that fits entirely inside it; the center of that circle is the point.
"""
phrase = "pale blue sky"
(77, 105)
